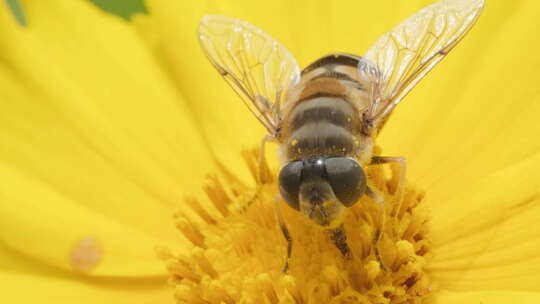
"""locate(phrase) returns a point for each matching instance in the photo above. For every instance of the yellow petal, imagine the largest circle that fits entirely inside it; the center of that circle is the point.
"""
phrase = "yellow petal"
(215, 107)
(477, 153)
(94, 139)
(27, 288)
(477, 111)
(487, 237)
(490, 296)
(45, 226)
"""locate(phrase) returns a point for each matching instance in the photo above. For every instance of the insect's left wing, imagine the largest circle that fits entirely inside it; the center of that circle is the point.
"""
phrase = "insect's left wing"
(403, 56)
(257, 66)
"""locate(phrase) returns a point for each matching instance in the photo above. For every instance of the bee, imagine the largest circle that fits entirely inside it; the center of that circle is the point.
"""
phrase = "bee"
(326, 117)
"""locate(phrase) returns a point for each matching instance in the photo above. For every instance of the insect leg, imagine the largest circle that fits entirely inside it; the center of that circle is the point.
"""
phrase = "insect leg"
(377, 198)
(263, 170)
(378, 233)
(262, 174)
(339, 237)
(376, 160)
(286, 235)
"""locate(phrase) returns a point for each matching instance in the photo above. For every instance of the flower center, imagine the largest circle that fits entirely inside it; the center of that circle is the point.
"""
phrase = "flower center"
(238, 249)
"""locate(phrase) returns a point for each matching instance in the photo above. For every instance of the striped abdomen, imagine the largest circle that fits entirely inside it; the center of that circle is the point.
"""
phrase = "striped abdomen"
(321, 125)
(325, 120)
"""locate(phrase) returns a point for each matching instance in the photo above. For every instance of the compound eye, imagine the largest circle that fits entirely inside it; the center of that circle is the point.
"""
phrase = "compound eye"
(289, 183)
(346, 178)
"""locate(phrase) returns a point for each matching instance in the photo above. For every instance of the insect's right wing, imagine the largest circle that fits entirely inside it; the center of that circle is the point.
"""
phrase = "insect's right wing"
(404, 55)
(257, 66)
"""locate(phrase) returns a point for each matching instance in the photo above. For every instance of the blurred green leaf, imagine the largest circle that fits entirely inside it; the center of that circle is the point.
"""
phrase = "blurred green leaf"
(17, 10)
(123, 8)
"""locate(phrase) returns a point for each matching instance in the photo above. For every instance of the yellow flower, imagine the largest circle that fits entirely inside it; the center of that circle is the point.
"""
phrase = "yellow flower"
(105, 126)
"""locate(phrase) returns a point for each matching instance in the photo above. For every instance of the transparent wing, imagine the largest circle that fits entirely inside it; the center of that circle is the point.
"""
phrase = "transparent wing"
(257, 67)
(404, 55)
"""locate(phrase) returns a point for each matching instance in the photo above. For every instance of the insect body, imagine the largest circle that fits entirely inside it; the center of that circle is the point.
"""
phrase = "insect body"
(326, 117)
(322, 142)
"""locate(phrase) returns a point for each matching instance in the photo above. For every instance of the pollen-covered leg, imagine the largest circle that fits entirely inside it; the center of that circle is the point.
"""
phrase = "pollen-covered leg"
(339, 237)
